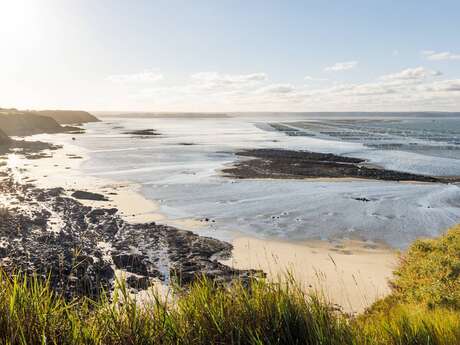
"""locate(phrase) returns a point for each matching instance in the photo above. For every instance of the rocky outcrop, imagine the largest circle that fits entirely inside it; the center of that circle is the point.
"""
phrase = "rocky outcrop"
(289, 164)
(143, 132)
(69, 116)
(78, 248)
(80, 194)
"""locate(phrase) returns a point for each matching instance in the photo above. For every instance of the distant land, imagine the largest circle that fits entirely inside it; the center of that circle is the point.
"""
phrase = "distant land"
(69, 116)
(313, 114)
(15, 122)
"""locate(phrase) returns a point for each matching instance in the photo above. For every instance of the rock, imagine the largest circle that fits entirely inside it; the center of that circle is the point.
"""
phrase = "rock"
(54, 235)
(138, 283)
(133, 263)
(79, 194)
(362, 199)
(290, 164)
(143, 132)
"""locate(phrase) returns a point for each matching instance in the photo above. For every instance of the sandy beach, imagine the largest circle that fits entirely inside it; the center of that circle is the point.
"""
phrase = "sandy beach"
(352, 274)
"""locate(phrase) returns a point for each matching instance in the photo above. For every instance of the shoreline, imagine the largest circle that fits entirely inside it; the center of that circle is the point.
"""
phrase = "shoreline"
(84, 246)
(358, 277)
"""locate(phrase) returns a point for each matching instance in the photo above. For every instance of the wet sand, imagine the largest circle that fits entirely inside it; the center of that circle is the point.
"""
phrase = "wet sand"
(62, 169)
(350, 274)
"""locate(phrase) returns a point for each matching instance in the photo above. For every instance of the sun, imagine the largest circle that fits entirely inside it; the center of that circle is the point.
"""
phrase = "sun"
(17, 17)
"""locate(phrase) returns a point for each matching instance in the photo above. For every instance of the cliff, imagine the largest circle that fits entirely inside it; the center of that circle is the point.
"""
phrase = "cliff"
(4, 139)
(19, 123)
(69, 116)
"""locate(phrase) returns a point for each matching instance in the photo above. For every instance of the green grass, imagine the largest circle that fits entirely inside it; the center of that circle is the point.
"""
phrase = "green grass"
(408, 324)
(422, 309)
(429, 273)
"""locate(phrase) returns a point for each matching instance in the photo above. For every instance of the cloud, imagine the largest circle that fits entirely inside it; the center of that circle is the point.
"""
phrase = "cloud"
(147, 76)
(443, 86)
(341, 66)
(310, 78)
(440, 56)
(411, 74)
(219, 78)
(409, 89)
(277, 89)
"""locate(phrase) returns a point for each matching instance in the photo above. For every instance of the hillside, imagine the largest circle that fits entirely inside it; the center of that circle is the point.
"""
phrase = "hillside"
(18, 123)
(4, 139)
(69, 116)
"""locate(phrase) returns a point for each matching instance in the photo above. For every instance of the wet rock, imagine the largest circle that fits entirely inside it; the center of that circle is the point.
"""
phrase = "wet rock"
(79, 194)
(362, 199)
(133, 263)
(143, 132)
(138, 283)
(75, 245)
(289, 164)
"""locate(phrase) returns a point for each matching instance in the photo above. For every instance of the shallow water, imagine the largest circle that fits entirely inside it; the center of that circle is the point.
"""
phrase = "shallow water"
(180, 169)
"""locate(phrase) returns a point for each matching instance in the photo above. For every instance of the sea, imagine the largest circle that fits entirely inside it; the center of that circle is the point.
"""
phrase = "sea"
(181, 167)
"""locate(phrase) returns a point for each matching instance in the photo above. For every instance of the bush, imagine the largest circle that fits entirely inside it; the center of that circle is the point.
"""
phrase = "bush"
(429, 272)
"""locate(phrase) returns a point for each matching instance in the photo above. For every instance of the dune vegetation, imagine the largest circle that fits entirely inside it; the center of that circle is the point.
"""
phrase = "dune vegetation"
(423, 308)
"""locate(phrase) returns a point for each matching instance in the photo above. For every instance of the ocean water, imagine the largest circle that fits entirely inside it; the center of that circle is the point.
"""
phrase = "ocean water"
(181, 170)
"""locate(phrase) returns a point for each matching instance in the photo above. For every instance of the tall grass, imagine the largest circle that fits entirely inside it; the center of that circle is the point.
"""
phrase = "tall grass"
(409, 324)
(258, 312)
(207, 313)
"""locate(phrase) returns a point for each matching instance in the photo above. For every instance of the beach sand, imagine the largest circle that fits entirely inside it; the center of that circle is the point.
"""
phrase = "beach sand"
(351, 274)
(64, 170)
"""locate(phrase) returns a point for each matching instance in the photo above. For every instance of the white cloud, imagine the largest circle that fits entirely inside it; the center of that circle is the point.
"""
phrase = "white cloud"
(147, 76)
(215, 77)
(310, 78)
(410, 89)
(411, 74)
(341, 66)
(277, 89)
(443, 86)
(440, 56)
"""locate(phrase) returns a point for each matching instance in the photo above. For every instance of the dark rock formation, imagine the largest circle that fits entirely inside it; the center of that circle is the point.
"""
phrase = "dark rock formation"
(78, 247)
(79, 194)
(143, 132)
(287, 164)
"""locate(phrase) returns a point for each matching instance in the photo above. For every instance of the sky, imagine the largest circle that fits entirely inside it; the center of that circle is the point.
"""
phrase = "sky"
(224, 56)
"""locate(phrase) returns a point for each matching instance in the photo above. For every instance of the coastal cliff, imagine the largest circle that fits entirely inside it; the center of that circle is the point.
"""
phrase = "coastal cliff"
(15, 122)
(69, 116)
(28, 123)
(4, 139)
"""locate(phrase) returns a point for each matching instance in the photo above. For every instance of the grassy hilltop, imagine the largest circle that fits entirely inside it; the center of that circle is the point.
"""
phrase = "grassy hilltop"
(424, 308)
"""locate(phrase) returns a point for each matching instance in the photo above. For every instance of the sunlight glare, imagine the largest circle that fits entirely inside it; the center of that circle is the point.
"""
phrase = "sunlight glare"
(17, 17)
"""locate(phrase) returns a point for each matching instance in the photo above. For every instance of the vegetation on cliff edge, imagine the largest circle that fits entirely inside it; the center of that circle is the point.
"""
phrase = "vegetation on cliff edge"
(422, 309)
